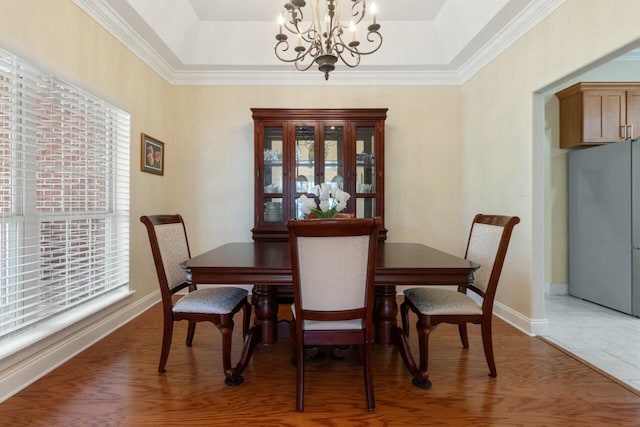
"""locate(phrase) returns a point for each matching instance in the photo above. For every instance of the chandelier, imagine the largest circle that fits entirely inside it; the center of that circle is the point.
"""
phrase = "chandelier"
(324, 41)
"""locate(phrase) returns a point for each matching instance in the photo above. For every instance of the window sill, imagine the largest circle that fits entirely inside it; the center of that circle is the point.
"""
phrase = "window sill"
(13, 349)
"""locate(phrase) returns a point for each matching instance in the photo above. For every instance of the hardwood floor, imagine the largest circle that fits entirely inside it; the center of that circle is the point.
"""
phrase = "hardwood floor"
(116, 383)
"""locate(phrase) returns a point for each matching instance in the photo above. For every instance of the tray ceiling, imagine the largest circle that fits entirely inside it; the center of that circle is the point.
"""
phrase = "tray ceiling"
(223, 42)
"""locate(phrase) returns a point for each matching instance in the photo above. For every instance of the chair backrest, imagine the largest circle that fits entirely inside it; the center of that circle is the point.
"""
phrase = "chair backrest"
(487, 246)
(170, 247)
(333, 265)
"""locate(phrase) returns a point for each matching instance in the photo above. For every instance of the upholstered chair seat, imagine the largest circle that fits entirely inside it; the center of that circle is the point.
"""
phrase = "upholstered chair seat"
(170, 248)
(487, 247)
(214, 300)
(430, 301)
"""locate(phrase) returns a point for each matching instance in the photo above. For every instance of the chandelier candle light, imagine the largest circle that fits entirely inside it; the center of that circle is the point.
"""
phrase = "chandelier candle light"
(323, 41)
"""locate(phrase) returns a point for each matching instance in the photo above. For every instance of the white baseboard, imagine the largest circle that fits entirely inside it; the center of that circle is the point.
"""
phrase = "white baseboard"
(34, 366)
(531, 327)
(552, 289)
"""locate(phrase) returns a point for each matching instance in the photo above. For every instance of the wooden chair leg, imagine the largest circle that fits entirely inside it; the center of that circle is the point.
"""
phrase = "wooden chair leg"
(300, 377)
(424, 331)
(227, 334)
(462, 329)
(191, 330)
(294, 344)
(487, 343)
(368, 376)
(167, 334)
(226, 328)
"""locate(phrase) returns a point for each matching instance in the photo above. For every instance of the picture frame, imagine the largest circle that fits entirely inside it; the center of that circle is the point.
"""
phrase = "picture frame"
(151, 155)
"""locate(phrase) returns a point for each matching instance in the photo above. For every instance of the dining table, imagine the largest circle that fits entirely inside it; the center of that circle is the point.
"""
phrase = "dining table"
(267, 264)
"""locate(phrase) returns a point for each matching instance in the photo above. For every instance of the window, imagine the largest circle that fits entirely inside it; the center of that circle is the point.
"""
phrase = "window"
(64, 197)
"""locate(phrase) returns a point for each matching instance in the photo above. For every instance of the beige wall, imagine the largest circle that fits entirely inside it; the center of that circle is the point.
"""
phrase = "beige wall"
(498, 148)
(62, 39)
(214, 131)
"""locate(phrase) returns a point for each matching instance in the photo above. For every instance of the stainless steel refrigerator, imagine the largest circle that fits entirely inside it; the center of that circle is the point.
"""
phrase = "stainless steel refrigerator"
(604, 225)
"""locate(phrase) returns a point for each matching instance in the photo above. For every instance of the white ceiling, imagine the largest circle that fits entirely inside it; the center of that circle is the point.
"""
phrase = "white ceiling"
(228, 42)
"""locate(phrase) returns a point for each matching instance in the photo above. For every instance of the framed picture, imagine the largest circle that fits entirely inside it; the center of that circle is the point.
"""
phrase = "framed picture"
(152, 156)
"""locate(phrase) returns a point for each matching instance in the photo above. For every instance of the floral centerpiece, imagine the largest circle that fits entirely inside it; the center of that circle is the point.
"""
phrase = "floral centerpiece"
(328, 203)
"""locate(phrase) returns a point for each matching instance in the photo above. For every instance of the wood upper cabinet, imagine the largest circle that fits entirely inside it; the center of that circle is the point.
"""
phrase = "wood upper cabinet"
(598, 113)
(296, 149)
(633, 113)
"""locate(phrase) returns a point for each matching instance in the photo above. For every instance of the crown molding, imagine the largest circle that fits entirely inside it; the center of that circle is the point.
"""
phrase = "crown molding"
(531, 16)
(102, 13)
(371, 77)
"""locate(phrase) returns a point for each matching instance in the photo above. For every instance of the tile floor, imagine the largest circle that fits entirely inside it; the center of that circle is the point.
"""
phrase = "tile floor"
(605, 338)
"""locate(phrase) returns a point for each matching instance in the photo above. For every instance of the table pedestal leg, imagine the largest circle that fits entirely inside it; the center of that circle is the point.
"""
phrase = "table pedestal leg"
(420, 377)
(266, 306)
(385, 311)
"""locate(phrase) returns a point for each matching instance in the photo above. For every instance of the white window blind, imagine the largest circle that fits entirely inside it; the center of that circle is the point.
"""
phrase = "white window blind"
(64, 196)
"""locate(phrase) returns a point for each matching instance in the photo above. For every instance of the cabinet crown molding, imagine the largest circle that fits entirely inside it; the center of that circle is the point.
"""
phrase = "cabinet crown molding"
(580, 87)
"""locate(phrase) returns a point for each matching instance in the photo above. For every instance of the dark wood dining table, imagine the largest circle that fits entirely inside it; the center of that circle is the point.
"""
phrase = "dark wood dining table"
(268, 264)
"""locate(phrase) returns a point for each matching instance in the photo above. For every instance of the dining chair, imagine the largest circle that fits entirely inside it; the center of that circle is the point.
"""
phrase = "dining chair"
(487, 246)
(333, 264)
(218, 304)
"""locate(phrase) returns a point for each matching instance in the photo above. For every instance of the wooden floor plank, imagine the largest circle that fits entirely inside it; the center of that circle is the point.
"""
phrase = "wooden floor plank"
(116, 383)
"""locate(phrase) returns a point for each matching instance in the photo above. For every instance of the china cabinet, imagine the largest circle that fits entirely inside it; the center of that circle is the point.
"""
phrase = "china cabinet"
(594, 113)
(296, 149)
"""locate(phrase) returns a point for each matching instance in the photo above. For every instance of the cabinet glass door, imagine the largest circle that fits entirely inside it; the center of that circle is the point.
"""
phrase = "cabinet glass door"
(334, 156)
(365, 171)
(273, 174)
(305, 145)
